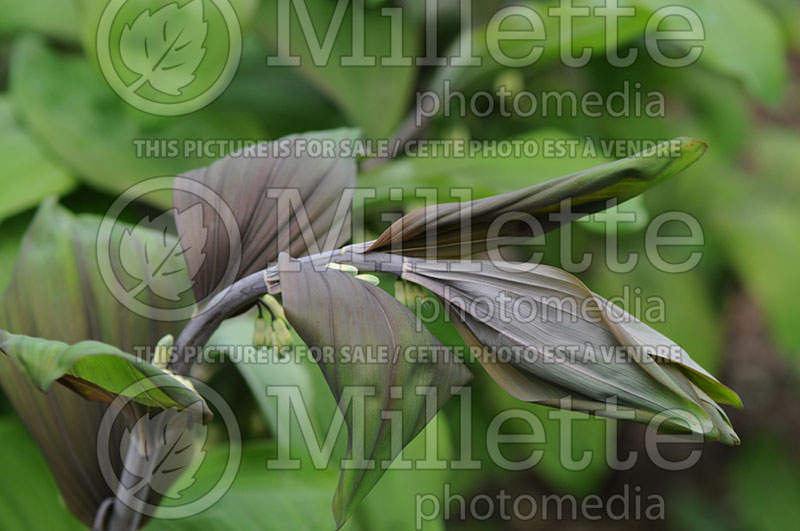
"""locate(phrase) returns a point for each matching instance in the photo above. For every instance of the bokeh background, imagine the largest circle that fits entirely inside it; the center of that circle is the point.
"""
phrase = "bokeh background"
(64, 132)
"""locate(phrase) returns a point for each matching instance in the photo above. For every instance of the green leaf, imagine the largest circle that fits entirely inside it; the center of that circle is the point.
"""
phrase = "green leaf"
(54, 18)
(334, 309)
(165, 46)
(587, 32)
(90, 12)
(755, 217)
(31, 502)
(280, 97)
(259, 499)
(588, 434)
(243, 181)
(560, 347)
(28, 176)
(742, 39)
(11, 231)
(374, 97)
(392, 504)
(57, 293)
(238, 331)
(95, 370)
(99, 137)
(768, 232)
(397, 484)
(589, 191)
(774, 158)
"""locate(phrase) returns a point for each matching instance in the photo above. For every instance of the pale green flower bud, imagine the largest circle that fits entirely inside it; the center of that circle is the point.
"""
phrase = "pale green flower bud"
(274, 306)
(260, 328)
(282, 332)
(162, 353)
(372, 279)
(344, 268)
(400, 291)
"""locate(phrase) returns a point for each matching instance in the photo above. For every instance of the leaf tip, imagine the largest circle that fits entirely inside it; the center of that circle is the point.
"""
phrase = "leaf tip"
(694, 144)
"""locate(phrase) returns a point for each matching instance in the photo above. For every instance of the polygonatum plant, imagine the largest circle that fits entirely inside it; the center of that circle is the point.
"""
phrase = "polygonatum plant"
(67, 359)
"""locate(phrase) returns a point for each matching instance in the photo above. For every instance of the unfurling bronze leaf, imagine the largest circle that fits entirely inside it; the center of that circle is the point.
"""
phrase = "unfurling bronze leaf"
(336, 310)
(57, 293)
(240, 228)
(544, 336)
(456, 230)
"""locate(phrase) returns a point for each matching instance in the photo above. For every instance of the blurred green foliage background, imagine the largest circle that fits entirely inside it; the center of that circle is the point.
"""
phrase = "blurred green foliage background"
(64, 132)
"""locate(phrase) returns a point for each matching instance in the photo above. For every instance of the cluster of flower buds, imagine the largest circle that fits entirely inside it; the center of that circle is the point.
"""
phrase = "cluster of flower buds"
(409, 294)
(352, 270)
(271, 328)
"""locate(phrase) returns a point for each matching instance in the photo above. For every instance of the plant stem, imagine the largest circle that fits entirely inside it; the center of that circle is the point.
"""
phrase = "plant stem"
(245, 292)
(237, 297)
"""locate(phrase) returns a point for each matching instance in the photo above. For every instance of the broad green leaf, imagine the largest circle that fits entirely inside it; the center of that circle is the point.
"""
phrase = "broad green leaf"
(788, 13)
(566, 336)
(774, 158)
(755, 217)
(439, 231)
(28, 176)
(260, 499)
(397, 484)
(54, 18)
(742, 39)
(271, 371)
(587, 32)
(392, 504)
(769, 231)
(95, 370)
(32, 501)
(99, 137)
(374, 97)
(57, 293)
(280, 98)
(90, 11)
(11, 231)
(587, 435)
(334, 309)
(265, 225)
